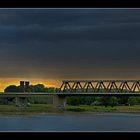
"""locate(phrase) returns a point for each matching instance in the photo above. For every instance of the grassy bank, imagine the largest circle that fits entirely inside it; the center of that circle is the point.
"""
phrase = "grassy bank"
(135, 108)
(33, 109)
(44, 108)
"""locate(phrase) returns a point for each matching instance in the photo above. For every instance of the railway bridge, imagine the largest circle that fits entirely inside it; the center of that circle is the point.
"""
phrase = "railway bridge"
(81, 88)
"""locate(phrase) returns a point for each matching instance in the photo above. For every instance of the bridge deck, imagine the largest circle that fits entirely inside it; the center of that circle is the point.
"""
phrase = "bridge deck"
(100, 80)
(65, 94)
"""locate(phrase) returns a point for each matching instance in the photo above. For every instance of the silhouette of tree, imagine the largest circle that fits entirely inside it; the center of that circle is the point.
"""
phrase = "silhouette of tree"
(12, 88)
(32, 88)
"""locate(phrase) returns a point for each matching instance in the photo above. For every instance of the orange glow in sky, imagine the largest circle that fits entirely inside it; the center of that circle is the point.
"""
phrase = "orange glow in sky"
(47, 83)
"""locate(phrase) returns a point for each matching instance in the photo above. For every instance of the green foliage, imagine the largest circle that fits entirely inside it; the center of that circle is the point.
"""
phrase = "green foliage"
(39, 88)
(12, 88)
(80, 100)
(51, 90)
(113, 101)
(109, 101)
(42, 88)
(105, 101)
(132, 101)
(123, 100)
(41, 100)
(83, 100)
(3, 101)
(32, 88)
(73, 100)
(77, 109)
(98, 99)
(138, 100)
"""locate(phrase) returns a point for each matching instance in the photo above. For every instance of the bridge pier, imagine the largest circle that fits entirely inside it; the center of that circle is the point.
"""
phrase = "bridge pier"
(59, 101)
(21, 101)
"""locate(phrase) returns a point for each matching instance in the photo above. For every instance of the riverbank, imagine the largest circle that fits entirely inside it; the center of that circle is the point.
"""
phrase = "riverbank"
(45, 108)
(117, 109)
(33, 109)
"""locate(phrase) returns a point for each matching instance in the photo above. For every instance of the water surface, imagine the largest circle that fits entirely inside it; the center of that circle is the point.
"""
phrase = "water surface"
(72, 122)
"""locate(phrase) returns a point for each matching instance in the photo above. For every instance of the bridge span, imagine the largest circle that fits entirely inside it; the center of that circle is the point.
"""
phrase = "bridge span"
(116, 86)
(81, 88)
(59, 99)
(17, 94)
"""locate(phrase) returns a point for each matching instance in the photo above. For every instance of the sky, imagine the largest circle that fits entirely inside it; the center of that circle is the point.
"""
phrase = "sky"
(50, 45)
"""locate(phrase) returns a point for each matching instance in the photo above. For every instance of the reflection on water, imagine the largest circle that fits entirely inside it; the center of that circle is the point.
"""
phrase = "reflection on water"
(72, 122)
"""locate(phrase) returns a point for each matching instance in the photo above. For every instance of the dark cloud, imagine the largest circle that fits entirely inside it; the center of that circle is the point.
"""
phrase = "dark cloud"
(70, 43)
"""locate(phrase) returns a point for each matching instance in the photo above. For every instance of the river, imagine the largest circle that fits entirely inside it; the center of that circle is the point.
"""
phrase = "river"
(72, 122)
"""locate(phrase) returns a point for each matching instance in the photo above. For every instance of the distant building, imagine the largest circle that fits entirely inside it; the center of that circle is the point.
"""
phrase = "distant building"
(24, 86)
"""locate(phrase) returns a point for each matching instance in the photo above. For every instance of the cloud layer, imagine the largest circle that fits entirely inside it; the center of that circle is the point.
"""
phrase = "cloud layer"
(70, 43)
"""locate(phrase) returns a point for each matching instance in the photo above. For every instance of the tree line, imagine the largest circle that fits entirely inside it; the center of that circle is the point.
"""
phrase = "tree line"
(88, 100)
(105, 100)
(32, 88)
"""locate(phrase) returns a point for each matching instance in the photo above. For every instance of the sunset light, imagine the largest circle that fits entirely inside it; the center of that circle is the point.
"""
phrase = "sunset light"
(75, 69)
(6, 82)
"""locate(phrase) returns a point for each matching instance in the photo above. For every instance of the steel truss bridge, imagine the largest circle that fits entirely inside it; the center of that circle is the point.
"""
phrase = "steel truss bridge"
(80, 88)
(100, 86)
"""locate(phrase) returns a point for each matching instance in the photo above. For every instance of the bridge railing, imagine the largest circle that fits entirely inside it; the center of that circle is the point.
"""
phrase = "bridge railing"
(99, 86)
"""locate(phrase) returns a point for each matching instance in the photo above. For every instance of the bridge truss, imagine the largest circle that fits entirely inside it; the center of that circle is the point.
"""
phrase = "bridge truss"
(100, 86)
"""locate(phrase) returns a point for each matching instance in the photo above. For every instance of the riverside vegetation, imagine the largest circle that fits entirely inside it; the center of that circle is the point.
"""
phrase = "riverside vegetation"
(82, 104)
